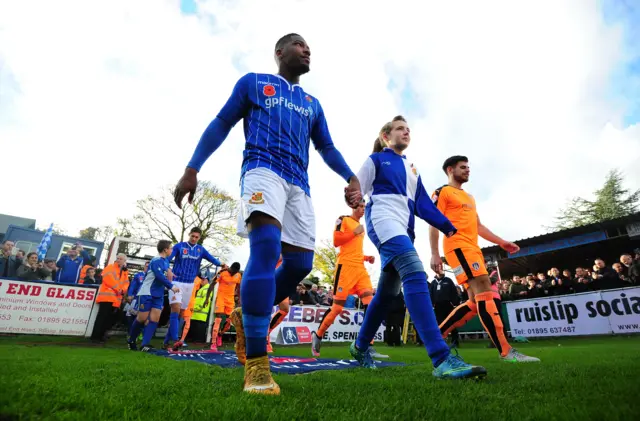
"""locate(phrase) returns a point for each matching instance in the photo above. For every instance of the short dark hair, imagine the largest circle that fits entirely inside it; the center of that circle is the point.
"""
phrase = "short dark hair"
(30, 254)
(453, 161)
(162, 245)
(284, 40)
(379, 144)
(196, 230)
(235, 266)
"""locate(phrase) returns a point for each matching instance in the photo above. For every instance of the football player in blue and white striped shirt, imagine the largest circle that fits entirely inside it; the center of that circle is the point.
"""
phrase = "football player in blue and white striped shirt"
(280, 120)
(187, 257)
(396, 197)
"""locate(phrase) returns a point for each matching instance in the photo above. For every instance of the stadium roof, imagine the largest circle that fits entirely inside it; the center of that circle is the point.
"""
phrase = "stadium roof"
(6, 220)
(570, 248)
(616, 227)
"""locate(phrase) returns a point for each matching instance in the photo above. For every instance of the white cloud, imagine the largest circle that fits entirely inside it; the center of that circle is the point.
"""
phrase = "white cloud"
(104, 102)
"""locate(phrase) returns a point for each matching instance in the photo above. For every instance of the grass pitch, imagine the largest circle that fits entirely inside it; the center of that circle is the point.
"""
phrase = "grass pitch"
(52, 378)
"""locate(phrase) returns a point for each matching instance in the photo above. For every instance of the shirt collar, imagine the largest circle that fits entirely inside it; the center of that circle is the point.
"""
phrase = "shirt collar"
(389, 150)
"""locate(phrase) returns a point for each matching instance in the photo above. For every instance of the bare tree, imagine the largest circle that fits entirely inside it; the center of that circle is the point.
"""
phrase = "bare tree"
(213, 211)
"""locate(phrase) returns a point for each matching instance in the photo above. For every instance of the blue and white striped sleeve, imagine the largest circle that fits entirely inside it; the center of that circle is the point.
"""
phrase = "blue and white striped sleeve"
(427, 211)
(366, 175)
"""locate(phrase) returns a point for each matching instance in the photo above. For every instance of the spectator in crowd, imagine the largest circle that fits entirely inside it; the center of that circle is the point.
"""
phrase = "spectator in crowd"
(567, 275)
(632, 267)
(32, 270)
(517, 289)
(87, 264)
(9, 264)
(115, 282)
(323, 296)
(21, 254)
(53, 269)
(90, 277)
(315, 294)
(444, 298)
(69, 265)
(329, 297)
(303, 297)
(582, 281)
(559, 284)
(534, 289)
(605, 277)
(544, 281)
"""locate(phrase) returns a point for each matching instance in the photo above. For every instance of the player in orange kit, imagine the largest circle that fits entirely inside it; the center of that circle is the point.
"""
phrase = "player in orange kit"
(350, 276)
(225, 302)
(465, 257)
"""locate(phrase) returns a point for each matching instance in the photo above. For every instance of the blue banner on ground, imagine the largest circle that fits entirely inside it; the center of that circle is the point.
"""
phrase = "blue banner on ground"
(287, 365)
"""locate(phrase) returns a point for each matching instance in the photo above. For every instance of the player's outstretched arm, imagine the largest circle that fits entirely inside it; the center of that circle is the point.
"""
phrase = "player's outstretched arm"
(488, 235)
(207, 256)
(427, 211)
(213, 136)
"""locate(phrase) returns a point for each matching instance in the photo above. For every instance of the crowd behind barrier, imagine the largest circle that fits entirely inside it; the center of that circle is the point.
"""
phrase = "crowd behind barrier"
(76, 267)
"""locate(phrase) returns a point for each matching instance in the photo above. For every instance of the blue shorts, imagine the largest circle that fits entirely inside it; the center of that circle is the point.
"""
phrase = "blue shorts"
(147, 302)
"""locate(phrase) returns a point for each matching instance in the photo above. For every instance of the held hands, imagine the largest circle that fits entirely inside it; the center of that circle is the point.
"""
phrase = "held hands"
(352, 193)
(186, 184)
(175, 289)
(370, 259)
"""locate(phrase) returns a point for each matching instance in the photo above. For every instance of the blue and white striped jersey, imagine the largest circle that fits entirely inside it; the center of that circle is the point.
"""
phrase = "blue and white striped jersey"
(396, 196)
(279, 121)
(155, 280)
(188, 258)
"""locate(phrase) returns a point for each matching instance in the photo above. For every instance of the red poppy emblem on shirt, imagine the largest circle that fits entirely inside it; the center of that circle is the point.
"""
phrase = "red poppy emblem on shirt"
(185, 251)
(269, 90)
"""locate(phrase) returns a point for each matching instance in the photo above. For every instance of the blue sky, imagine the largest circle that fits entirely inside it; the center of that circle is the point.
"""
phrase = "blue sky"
(625, 80)
(188, 7)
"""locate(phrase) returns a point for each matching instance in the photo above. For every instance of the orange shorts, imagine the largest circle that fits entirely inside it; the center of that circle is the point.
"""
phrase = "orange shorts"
(467, 263)
(225, 304)
(350, 279)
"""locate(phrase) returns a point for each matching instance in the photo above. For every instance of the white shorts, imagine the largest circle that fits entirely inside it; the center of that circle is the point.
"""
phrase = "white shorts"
(183, 297)
(263, 191)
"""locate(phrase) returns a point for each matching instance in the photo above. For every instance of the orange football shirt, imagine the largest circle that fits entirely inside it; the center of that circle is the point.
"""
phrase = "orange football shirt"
(460, 207)
(350, 244)
(227, 283)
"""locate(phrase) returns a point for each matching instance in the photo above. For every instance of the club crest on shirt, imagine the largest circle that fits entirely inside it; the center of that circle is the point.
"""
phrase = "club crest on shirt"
(268, 90)
(256, 199)
(414, 170)
(475, 266)
(185, 251)
(308, 98)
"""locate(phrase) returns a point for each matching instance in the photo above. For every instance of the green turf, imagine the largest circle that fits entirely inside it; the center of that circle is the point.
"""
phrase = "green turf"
(579, 379)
